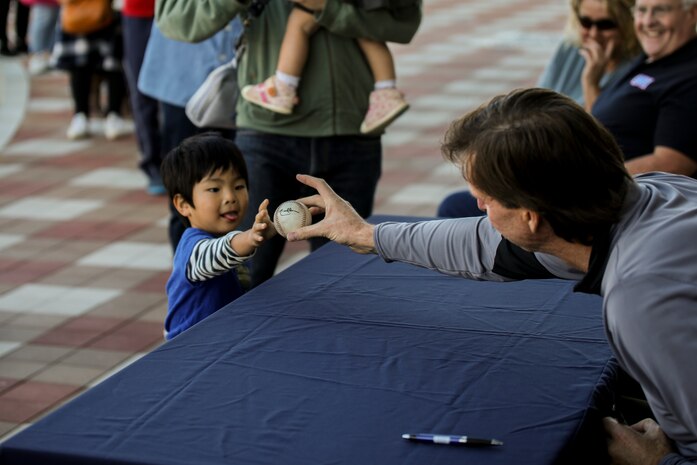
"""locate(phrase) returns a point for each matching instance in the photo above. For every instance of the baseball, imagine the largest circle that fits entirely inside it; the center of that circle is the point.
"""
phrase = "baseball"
(291, 215)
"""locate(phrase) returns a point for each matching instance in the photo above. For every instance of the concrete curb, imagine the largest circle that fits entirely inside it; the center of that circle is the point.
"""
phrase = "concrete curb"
(14, 96)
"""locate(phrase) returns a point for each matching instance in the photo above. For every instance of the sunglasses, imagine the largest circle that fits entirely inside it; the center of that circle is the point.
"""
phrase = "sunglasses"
(601, 24)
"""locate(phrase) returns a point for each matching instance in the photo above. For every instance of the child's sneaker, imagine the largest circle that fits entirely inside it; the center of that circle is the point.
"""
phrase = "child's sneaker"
(272, 95)
(385, 106)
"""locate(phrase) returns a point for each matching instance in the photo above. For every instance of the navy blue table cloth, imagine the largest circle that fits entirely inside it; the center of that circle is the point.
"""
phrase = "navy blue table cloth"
(334, 359)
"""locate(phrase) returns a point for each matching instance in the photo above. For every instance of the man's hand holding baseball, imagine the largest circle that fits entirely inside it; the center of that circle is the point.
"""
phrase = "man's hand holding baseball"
(341, 223)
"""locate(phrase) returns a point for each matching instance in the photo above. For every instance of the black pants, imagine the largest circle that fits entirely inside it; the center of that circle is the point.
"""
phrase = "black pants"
(630, 402)
(21, 21)
(81, 87)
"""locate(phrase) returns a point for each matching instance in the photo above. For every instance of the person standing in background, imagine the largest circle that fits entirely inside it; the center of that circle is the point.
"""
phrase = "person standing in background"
(322, 135)
(21, 23)
(42, 33)
(84, 56)
(137, 18)
(170, 73)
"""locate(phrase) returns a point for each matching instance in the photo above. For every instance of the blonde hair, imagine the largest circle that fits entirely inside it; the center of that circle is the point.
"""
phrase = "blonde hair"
(619, 11)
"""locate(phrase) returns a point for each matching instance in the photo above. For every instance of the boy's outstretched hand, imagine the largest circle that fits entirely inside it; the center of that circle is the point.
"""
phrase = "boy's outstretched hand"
(261, 230)
(341, 223)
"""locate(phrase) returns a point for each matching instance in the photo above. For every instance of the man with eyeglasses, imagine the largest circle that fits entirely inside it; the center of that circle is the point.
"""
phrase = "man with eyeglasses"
(652, 110)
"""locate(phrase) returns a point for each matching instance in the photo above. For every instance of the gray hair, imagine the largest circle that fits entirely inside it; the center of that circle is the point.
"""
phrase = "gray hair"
(687, 4)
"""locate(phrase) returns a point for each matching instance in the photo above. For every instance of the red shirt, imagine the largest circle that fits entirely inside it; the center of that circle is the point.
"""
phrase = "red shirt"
(140, 8)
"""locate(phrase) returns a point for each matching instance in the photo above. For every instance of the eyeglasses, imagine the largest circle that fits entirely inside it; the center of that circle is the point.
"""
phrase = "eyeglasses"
(601, 24)
(658, 11)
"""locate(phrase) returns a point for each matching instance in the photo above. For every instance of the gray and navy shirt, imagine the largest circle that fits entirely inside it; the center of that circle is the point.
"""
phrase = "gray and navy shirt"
(645, 268)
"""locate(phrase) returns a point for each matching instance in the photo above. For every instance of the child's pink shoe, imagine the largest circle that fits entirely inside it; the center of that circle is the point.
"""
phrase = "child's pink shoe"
(385, 106)
(272, 95)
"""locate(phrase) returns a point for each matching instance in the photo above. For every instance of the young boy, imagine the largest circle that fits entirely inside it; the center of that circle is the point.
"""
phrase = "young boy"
(278, 93)
(206, 178)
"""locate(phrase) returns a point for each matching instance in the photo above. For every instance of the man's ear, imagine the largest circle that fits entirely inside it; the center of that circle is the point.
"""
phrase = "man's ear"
(533, 220)
(182, 206)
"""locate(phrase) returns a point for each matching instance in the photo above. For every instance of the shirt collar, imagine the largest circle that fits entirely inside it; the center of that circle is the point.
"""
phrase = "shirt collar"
(600, 252)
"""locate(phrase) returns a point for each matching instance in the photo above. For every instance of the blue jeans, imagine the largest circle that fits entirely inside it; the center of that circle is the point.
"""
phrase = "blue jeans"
(42, 27)
(350, 164)
(459, 204)
(136, 32)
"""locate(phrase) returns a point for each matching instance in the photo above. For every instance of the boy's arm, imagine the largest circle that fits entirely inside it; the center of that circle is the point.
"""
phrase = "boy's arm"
(213, 257)
(247, 242)
(195, 20)
(383, 25)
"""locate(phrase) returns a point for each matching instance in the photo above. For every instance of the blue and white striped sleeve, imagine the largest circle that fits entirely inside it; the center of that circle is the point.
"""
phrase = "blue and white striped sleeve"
(213, 257)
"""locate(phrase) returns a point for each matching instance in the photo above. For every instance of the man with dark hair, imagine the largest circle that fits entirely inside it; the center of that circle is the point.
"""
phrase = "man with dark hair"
(560, 203)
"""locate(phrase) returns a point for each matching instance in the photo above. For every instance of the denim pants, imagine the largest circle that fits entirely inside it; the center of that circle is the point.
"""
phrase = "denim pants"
(42, 27)
(459, 204)
(351, 165)
(136, 32)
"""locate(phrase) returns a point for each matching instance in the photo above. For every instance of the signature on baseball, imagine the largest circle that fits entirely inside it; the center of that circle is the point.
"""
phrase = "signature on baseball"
(287, 211)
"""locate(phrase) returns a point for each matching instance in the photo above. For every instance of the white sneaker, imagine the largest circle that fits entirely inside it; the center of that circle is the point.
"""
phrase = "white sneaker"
(79, 127)
(38, 64)
(114, 126)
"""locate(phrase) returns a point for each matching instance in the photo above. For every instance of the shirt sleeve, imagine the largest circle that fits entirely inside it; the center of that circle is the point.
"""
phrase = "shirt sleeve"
(195, 20)
(676, 459)
(646, 319)
(383, 25)
(466, 247)
(213, 257)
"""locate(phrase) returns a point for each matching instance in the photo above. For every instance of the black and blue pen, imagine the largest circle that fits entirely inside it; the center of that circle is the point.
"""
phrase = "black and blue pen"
(451, 439)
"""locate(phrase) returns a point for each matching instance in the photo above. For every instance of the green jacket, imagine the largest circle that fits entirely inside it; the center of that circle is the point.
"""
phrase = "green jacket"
(336, 80)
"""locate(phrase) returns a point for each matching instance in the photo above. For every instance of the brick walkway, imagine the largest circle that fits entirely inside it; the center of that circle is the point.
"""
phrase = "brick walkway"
(83, 249)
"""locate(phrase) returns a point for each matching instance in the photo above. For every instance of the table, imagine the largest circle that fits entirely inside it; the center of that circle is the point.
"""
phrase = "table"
(334, 359)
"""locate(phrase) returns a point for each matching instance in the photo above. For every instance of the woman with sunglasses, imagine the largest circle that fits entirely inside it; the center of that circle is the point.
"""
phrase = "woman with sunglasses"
(598, 45)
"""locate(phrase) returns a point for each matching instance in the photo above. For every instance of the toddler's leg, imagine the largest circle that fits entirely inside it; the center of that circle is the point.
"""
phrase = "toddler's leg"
(380, 61)
(278, 93)
(296, 43)
(386, 102)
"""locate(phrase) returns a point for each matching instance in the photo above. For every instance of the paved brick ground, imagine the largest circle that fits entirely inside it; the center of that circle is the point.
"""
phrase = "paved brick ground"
(83, 249)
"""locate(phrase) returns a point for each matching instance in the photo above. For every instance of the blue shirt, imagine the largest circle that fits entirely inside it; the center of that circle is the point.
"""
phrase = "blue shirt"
(563, 72)
(189, 302)
(173, 70)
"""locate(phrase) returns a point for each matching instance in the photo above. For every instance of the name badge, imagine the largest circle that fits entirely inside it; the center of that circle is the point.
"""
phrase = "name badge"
(641, 81)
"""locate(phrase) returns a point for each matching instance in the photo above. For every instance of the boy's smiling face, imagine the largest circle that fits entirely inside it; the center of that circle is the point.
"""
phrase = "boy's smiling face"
(220, 201)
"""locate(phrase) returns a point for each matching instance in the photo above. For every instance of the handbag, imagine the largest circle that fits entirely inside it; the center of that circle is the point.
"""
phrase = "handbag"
(213, 104)
(85, 16)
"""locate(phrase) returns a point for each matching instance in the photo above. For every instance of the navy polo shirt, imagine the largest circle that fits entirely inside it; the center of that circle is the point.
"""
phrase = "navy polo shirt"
(654, 104)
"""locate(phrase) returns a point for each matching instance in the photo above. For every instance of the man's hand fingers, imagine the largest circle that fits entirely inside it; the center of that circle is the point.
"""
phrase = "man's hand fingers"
(646, 425)
(314, 202)
(320, 185)
(314, 230)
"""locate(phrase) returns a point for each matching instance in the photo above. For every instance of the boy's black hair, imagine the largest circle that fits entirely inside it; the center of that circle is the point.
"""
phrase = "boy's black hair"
(197, 157)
